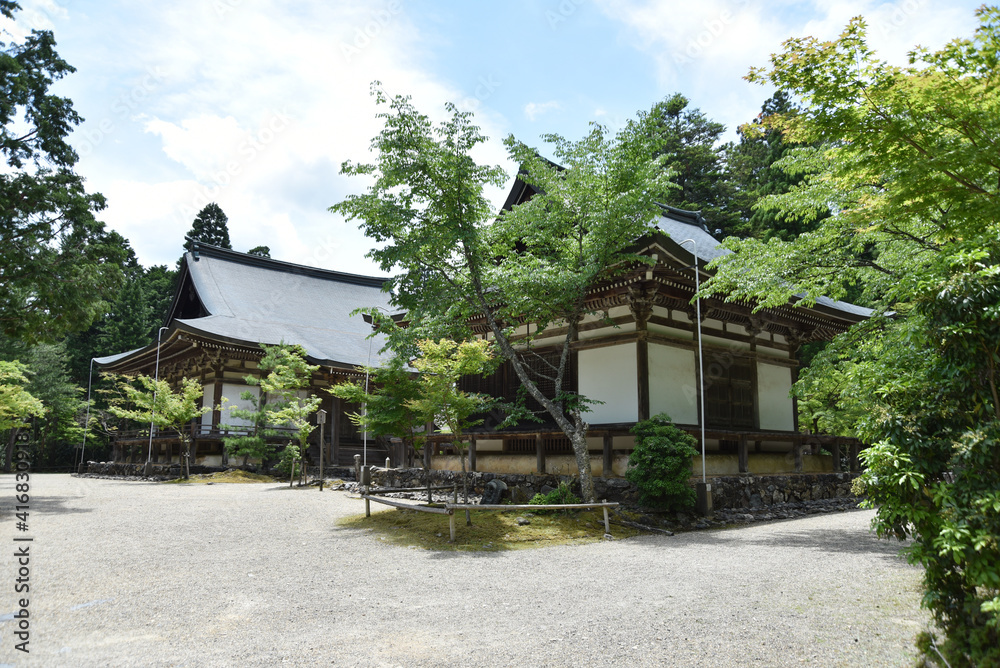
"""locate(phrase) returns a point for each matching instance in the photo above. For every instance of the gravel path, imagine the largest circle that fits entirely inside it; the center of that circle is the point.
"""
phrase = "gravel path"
(142, 574)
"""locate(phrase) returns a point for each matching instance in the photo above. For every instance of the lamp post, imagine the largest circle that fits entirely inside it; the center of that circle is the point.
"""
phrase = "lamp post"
(704, 490)
(321, 418)
(152, 407)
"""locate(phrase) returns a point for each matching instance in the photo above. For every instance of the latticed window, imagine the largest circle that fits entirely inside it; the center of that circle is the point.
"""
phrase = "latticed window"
(542, 366)
(729, 394)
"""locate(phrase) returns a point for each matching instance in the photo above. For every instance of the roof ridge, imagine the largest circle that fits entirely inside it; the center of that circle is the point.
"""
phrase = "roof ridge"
(201, 248)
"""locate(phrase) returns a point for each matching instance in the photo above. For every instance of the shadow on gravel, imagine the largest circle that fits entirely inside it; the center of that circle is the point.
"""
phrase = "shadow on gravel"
(845, 541)
(55, 505)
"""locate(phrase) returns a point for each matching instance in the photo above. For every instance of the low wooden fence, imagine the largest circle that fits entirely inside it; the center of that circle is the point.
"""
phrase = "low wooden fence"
(450, 508)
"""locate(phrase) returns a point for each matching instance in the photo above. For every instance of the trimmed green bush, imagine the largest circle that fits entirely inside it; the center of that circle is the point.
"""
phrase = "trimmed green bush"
(660, 464)
(560, 494)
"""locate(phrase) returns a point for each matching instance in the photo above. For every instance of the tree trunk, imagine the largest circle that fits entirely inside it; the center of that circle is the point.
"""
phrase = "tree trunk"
(9, 460)
(465, 484)
(582, 453)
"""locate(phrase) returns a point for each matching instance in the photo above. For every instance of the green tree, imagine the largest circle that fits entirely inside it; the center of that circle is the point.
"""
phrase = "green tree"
(278, 403)
(535, 263)
(262, 251)
(689, 143)
(753, 168)
(441, 366)
(906, 159)
(390, 389)
(17, 405)
(54, 435)
(211, 226)
(59, 264)
(148, 401)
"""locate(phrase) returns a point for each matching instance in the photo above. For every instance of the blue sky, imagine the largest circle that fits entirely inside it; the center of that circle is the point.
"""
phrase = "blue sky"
(254, 104)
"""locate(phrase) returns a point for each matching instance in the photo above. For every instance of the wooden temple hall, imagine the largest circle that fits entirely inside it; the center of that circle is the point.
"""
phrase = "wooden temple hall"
(639, 357)
(226, 304)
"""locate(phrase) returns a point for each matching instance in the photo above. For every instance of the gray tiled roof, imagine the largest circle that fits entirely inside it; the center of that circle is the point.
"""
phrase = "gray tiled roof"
(680, 225)
(255, 300)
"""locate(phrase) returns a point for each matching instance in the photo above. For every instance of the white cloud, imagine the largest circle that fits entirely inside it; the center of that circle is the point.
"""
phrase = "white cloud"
(704, 49)
(258, 106)
(533, 110)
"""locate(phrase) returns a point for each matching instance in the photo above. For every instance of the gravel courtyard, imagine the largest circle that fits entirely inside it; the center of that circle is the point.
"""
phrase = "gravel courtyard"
(144, 574)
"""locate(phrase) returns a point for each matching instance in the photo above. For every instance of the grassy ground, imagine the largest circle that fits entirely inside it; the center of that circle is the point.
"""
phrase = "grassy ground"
(491, 531)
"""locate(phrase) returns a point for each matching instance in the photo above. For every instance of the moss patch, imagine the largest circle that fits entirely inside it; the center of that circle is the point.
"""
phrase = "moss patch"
(491, 531)
(230, 476)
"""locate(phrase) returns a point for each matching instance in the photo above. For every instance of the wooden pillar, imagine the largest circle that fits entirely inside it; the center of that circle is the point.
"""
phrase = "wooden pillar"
(835, 450)
(194, 451)
(642, 372)
(609, 441)
(797, 449)
(472, 454)
(855, 464)
(744, 458)
(539, 454)
(641, 305)
(335, 417)
(217, 401)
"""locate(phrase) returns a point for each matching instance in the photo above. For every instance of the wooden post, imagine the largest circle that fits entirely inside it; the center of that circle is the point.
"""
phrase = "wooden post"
(335, 418)
(642, 372)
(451, 525)
(855, 464)
(797, 449)
(835, 450)
(607, 524)
(608, 455)
(539, 454)
(472, 454)
(216, 400)
(743, 456)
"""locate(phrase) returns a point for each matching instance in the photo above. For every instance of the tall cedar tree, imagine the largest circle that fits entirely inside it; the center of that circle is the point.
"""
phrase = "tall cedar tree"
(754, 170)
(907, 159)
(456, 260)
(59, 264)
(689, 142)
(211, 225)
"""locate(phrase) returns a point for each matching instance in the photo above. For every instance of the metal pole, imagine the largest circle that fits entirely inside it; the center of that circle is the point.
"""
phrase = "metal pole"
(701, 357)
(86, 424)
(152, 407)
(364, 408)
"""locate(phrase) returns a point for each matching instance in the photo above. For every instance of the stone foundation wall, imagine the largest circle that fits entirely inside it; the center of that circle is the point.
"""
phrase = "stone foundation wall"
(750, 491)
(746, 491)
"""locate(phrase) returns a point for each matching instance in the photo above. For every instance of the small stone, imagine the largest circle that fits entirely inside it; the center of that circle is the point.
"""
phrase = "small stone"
(523, 521)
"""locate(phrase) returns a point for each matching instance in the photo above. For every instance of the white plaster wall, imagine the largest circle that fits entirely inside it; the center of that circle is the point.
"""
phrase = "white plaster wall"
(774, 404)
(672, 383)
(232, 392)
(609, 375)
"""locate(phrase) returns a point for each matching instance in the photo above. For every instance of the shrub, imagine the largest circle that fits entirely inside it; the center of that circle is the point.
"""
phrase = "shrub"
(560, 494)
(660, 464)
(289, 457)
